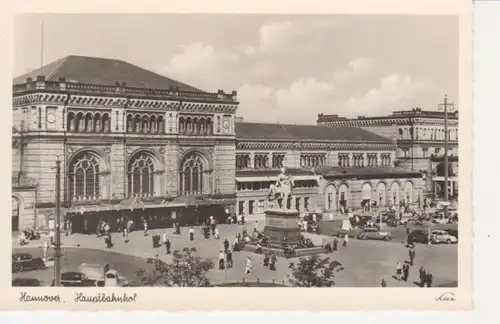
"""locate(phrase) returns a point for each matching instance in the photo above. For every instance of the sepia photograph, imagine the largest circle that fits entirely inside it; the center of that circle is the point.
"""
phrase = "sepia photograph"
(235, 150)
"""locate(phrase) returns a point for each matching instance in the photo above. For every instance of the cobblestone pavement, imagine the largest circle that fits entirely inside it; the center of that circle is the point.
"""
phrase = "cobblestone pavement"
(365, 262)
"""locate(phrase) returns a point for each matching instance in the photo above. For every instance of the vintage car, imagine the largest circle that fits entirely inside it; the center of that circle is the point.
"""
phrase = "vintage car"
(372, 233)
(419, 236)
(25, 261)
(110, 278)
(442, 236)
(75, 279)
(25, 282)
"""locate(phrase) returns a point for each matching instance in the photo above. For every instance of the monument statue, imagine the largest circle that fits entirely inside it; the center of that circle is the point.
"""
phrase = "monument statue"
(281, 189)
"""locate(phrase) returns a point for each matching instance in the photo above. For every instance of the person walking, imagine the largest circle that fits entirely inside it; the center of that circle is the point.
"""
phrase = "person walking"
(335, 243)
(229, 258)
(248, 266)
(236, 246)
(226, 245)
(383, 283)
(45, 250)
(125, 234)
(272, 264)
(216, 233)
(422, 275)
(145, 225)
(429, 279)
(191, 234)
(222, 258)
(406, 271)
(346, 239)
(411, 253)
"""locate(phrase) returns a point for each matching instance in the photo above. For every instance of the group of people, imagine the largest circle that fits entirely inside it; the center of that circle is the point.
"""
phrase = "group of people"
(233, 219)
(403, 270)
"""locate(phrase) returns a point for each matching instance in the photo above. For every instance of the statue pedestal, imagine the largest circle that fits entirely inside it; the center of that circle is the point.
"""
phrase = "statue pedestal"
(282, 223)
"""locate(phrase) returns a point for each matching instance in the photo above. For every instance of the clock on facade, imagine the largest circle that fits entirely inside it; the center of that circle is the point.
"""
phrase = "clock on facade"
(51, 118)
(225, 124)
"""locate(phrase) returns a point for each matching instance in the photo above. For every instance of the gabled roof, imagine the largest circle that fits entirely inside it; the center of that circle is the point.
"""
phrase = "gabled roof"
(103, 71)
(248, 131)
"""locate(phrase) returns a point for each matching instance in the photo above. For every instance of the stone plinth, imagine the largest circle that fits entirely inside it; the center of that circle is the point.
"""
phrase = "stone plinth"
(280, 223)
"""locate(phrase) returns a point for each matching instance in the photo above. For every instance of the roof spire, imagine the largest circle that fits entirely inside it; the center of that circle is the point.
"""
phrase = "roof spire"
(41, 51)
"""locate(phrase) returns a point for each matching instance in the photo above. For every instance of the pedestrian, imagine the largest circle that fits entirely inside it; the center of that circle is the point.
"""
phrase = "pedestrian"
(256, 226)
(383, 283)
(422, 276)
(236, 246)
(216, 233)
(22, 238)
(191, 234)
(412, 255)
(107, 228)
(243, 219)
(125, 235)
(229, 258)
(45, 250)
(248, 266)
(274, 259)
(145, 225)
(398, 271)
(222, 258)
(52, 235)
(226, 245)
(335, 243)
(346, 239)
(429, 279)
(266, 259)
(406, 271)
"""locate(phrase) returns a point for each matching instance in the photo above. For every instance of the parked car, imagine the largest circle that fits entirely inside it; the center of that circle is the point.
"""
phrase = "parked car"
(25, 261)
(372, 233)
(442, 236)
(25, 282)
(419, 236)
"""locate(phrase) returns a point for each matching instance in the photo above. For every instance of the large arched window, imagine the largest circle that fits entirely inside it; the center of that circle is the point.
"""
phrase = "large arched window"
(84, 177)
(141, 176)
(191, 174)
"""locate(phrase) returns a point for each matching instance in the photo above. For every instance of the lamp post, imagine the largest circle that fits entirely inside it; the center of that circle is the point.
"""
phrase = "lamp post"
(445, 106)
(57, 243)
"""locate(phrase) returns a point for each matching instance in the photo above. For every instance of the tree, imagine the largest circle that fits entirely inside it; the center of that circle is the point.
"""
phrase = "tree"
(185, 270)
(314, 271)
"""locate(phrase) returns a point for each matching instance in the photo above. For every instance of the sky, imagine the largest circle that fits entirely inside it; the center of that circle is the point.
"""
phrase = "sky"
(285, 68)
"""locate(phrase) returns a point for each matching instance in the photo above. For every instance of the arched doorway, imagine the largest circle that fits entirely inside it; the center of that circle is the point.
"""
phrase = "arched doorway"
(381, 194)
(343, 197)
(366, 196)
(394, 195)
(141, 177)
(194, 178)
(330, 201)
(16, 213)
(408, 192)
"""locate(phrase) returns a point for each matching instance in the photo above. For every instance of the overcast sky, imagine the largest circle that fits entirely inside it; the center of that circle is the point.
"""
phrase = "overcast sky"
(285, 68)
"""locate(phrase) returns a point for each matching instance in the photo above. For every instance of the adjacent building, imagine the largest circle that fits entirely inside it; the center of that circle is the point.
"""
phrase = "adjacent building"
(419, 136)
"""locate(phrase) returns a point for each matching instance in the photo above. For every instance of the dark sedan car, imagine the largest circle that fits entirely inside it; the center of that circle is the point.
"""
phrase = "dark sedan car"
(25, 261)
(419, 236)
(78, 279)
(25, 282)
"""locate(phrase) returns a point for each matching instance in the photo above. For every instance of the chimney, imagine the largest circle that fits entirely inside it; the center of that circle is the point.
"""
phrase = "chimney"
(29, 79)
(40, 78)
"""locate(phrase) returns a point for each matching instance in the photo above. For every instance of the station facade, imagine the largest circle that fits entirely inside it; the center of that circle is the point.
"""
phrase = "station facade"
(132, 144)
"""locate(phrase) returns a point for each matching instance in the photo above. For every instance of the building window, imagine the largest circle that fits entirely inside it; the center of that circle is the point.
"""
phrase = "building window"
(278, 160)
(297, 203)
(312, 160)
(358, 160)
(343, 160)
(372, 160)
(260, 207)
(191, 174)
(306, 203)
(242, 161)
(405, 154)
(251, 207)
(261, 161)
(386, 159)
(84, 177)
(141, 176)
(196, 126)
(330, 200)
(424, 152)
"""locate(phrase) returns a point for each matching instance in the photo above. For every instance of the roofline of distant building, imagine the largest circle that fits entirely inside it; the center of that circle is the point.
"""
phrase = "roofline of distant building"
(402, 114)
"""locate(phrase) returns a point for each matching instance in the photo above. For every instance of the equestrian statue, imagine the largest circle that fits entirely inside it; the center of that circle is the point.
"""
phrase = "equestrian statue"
(282, 189)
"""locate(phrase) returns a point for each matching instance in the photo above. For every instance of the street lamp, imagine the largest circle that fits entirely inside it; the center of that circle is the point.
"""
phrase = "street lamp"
(445, 106)
(57, 243)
